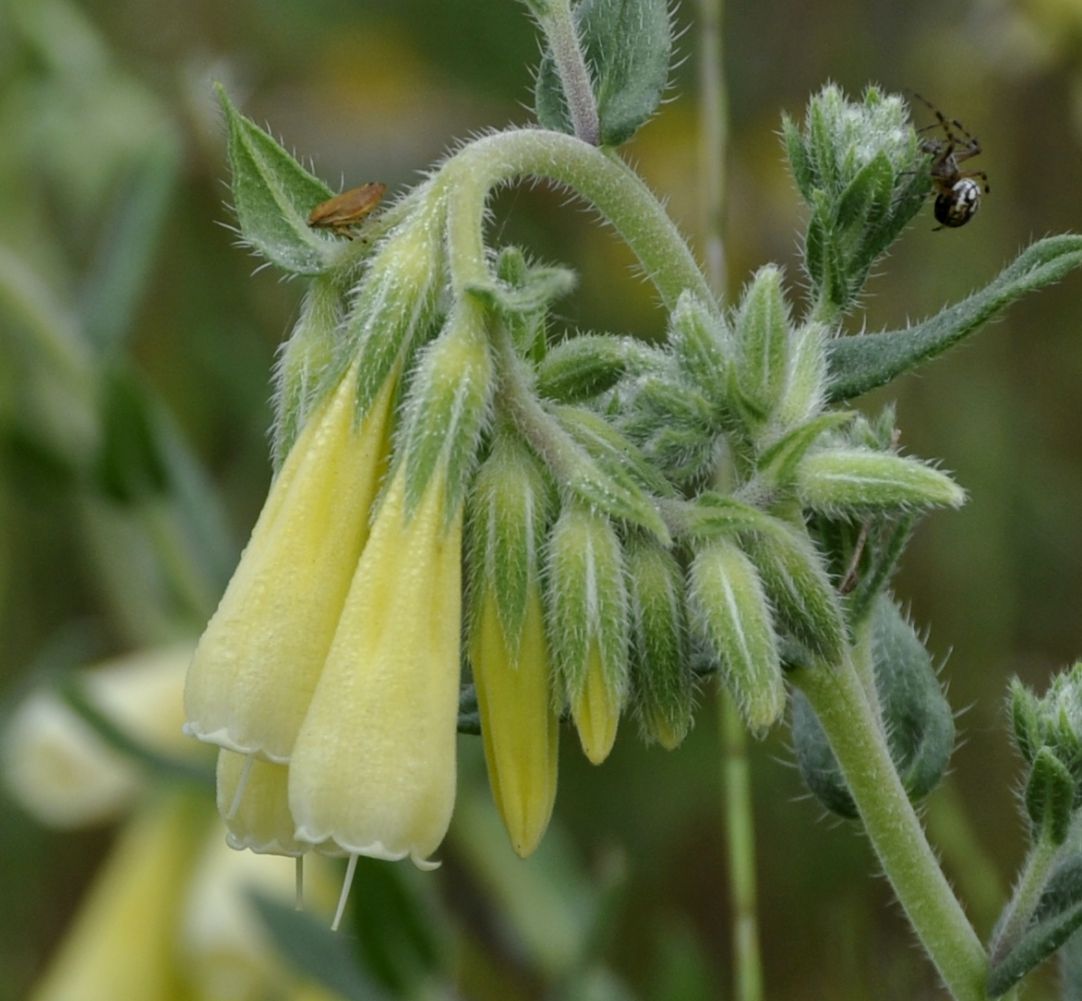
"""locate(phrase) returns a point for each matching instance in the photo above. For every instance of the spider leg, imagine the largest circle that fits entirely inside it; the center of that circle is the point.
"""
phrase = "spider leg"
(977, 173)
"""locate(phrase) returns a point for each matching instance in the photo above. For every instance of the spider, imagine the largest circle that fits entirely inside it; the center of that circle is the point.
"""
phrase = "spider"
(958, 192)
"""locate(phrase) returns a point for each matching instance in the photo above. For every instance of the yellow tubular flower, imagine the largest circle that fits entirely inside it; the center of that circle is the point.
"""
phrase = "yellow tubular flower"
(518, 723)
(596, 710)
(120, 947)
(253, 799)
(258, 661)
(373, 769)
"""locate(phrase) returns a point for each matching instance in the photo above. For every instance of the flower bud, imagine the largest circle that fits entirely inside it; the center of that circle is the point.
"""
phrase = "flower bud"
(447, 407)
(806, 383)
(797, 584)
(518, 719)
(702, 346)
(508, 649)
(840, 480)
(762, 344)
(587, 624)
(258, 660)
(660, 659)
(732, 615)
(373, 768)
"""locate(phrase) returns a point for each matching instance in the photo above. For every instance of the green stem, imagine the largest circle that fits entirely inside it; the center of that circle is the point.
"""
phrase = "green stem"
(603, 179)
(713, 138)
(558, 25)
(1026, 895)
(740, 833)
(857, 739)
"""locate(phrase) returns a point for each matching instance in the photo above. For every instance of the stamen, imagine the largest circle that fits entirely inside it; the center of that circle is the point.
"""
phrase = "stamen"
(350, 869)
(298, 882)
(242, 784)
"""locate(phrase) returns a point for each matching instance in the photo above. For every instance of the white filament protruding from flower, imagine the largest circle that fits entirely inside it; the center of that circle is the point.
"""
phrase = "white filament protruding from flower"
(242, 784)
(298, 883)
(351, 868)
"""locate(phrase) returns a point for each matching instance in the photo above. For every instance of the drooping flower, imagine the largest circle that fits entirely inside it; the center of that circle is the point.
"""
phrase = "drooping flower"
(373, 768)
(261, 654)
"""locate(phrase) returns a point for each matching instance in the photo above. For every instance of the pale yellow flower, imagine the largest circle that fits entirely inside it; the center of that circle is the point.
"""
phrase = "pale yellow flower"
(262, 652)
(518, 722)
(58, 767)
(373, 768)
(120, 947)
(253, 799)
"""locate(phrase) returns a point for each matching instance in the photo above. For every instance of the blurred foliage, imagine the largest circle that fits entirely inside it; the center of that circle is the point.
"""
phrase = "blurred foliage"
(123, 303)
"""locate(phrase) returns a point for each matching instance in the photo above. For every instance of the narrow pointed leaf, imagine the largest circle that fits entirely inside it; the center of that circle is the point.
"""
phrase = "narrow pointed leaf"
(863, 362)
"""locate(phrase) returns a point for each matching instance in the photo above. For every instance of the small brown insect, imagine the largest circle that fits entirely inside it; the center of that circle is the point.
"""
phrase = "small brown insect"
(344, 211)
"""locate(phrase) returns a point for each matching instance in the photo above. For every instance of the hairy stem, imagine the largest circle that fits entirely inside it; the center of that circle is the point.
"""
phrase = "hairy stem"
(1027, 893)
(857, 740)
(602, 179)
(558, 24)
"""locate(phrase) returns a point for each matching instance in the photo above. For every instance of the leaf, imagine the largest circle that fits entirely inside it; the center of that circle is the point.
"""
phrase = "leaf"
(122, 263)
(865, 361)
(1049, 796)
(584, 366)
(129, 464)
(314, 951)
(1057, 916)
(540, 287)
(627, 44)
(272, 195)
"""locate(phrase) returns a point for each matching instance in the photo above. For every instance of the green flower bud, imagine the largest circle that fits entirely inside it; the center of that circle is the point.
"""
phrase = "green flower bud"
(509, 509)
(447, 406)
(702, 346)
(587, 624)
(730, 612)
(839, 480)
(797, 584)
(585, 366)
(660, 658)
(806, 385)
(916, 716)
(396, 303)
(1049, 797)
(762, 344)
(1053, 721)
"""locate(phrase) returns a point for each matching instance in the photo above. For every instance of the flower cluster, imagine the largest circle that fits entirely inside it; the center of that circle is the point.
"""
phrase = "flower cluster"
(604, 522)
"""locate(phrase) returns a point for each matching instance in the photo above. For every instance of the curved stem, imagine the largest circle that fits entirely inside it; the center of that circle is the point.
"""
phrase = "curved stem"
(895, 832)
(603, 179)
(713, 137)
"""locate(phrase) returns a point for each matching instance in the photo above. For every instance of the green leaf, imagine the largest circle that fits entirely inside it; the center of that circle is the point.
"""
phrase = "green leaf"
(272, 196)
(762, 343)
(1057, 916)
(540, 287)
(627, 44)
(865, 361)
(122, 264)
(129, 464)
(313, 950)
(779, 462)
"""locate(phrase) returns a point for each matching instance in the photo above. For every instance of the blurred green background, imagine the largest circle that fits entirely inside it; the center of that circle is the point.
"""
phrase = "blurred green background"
(114, 232)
